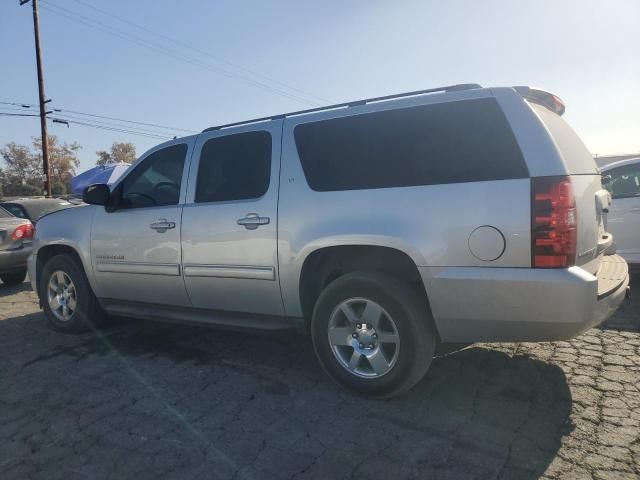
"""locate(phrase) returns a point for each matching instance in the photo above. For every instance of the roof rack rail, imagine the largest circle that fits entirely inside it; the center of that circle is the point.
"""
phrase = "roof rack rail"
(449, 88)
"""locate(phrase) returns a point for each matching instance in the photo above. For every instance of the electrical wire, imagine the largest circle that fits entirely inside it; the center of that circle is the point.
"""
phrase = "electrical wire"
(200, 51)
(95, 115)
(71, 15)
(66, 116)
(113, 129)
(19, 114)
(62, 110)
(23, 105)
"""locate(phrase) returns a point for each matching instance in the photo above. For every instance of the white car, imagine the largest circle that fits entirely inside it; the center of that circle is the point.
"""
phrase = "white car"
(622, 179)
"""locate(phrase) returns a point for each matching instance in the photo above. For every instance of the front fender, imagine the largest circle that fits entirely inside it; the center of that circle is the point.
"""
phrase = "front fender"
(70, 228)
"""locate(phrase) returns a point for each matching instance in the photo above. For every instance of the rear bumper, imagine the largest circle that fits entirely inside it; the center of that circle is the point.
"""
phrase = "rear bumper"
(11, 260)
(475, 304)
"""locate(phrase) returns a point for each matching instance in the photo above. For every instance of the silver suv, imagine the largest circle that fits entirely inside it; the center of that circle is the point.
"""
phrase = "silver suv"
(383, 227)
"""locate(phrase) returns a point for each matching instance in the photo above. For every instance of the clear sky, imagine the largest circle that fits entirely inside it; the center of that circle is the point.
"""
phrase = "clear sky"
(585, 51)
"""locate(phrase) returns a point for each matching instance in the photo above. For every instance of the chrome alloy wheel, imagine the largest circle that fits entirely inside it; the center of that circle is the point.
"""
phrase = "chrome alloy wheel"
(61, 295)
(363, 338)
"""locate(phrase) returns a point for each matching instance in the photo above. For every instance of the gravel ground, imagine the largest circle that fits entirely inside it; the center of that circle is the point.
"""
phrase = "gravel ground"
(144, 400)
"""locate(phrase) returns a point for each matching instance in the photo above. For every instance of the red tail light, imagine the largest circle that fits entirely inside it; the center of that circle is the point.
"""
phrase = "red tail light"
(554, 226)
(23, 232)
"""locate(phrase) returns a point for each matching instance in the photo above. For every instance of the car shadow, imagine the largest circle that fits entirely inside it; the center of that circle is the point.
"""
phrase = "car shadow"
(263, 405)
(6, 290)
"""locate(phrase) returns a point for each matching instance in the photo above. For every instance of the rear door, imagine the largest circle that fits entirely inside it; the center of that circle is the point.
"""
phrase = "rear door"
(623, 220)
(229, 222)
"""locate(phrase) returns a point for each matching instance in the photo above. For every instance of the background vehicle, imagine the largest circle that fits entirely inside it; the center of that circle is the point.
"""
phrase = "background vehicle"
(623, 219)
(15, 247)
(384, 226)
(33, 208)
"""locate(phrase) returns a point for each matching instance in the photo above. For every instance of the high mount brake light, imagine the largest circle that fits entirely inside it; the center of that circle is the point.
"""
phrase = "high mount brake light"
(554, 225)
(546, 99)
(23, 232)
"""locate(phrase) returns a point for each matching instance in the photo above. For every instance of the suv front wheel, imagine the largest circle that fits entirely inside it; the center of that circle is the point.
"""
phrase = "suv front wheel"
(373, 333)
(67, 298)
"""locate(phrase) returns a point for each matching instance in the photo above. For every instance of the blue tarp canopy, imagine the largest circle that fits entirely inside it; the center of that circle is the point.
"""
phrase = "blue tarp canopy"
(103, 174)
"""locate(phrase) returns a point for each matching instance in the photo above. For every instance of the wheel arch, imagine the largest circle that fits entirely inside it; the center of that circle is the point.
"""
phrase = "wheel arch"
(324, 264)
(46, 252)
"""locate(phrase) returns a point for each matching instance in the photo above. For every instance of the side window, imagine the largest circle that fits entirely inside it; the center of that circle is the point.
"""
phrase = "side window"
(234, 167)
(625, 181)
(452, 142)
(155, 181)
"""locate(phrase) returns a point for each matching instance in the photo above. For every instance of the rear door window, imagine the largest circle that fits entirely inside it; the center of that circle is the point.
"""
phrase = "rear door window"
(452, 142)
(576, 155)
(234, 167)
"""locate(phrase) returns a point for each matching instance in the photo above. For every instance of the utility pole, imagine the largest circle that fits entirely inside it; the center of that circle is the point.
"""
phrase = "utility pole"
(43, 101)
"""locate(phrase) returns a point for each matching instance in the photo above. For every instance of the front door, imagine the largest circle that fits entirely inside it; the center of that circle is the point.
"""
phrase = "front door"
(623, 220)
(135, 240)
(229, 221)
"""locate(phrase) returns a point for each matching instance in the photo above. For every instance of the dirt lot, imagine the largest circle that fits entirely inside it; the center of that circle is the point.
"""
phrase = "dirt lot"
(143, 400)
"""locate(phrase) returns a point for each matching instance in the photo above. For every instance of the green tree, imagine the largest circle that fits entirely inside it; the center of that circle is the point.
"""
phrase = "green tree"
(120, 153)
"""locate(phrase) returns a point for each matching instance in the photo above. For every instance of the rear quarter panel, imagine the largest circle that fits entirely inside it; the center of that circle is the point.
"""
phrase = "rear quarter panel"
(431, 224)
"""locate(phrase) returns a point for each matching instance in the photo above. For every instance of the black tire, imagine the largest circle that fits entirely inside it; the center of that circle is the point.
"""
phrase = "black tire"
(13, 278)
(412, 319)
(87, 313)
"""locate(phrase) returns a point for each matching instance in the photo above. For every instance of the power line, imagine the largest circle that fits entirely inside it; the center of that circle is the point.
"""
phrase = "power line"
(123, 120)
(200, 51)
(13, 109)
(113, 129)
(19, 114)
(24, 105)
(71, 15)
(95, 115)
(111, 124)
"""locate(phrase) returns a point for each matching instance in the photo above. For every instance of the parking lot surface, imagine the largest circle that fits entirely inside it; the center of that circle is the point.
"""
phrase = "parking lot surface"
(148, 400)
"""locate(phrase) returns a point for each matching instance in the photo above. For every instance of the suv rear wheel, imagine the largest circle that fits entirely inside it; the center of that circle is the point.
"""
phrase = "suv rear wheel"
(69, 302)
(373, 333)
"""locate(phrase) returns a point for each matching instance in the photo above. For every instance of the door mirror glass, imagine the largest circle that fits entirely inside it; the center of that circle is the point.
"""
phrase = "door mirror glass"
(96, 194)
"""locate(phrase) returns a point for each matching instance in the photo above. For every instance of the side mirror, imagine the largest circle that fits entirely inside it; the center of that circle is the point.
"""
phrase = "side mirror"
(96, 194)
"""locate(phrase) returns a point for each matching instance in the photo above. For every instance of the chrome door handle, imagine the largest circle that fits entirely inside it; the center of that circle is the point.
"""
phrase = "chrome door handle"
(162, 225)
(252, 221)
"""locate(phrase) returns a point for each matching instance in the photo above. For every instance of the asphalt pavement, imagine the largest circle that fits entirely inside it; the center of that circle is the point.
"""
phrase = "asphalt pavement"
(144, 400)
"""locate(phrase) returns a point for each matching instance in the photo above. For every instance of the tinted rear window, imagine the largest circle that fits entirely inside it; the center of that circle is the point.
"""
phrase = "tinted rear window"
(37, 210)
(577, 157)
(4, 213)
(234, 167)
(454, 142)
